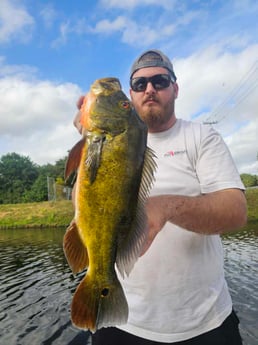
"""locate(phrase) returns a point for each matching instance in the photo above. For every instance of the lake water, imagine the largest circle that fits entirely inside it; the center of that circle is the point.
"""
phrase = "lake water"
(36, 287)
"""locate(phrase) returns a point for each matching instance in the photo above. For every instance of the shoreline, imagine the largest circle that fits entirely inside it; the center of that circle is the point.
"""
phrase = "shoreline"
(57, 214)
(46, 214)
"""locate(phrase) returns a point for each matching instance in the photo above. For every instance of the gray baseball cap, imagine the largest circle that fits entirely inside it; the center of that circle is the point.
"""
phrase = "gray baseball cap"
(153, 58)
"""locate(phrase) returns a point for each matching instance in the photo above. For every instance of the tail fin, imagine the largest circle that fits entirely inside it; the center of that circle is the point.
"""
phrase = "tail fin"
(95, 306)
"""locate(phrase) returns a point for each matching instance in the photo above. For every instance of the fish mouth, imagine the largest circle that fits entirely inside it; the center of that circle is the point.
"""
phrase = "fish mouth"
(101, 87)
(106, 86)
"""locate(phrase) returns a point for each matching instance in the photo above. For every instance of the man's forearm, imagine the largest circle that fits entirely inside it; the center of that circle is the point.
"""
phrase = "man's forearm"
(207, 214)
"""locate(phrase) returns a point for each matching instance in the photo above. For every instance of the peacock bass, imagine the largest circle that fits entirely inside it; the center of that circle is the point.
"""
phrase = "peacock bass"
(115, 170)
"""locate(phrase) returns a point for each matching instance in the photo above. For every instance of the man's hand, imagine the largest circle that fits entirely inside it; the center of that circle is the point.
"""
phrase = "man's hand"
(156, 219)
(77, 124)
(77, 119)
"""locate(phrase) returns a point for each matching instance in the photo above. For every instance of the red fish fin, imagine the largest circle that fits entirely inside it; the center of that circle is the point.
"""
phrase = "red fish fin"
(94, 306)
(74, 158)
(130, 247)
(75, 251)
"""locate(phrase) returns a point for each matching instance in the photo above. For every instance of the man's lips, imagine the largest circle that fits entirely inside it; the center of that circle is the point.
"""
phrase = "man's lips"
(150, 100)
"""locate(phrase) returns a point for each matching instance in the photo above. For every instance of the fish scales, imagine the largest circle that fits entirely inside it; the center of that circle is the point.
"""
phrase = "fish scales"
(108, 229)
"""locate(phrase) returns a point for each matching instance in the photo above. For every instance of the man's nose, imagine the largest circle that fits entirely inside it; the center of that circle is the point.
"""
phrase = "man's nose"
(150, 88)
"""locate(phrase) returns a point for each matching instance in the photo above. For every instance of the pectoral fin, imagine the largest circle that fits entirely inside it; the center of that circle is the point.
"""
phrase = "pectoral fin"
(95, 143)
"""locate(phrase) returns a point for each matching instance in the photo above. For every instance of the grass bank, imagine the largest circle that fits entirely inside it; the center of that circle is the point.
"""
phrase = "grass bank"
(36, 215)
(60, 213)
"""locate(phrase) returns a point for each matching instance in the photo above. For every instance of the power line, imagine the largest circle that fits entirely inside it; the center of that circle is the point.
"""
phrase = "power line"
(245, 87)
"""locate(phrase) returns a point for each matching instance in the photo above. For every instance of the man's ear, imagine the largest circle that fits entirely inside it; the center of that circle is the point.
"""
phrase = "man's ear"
(176, 88)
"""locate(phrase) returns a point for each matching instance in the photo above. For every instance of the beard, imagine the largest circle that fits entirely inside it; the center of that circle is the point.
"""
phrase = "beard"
(157, 115)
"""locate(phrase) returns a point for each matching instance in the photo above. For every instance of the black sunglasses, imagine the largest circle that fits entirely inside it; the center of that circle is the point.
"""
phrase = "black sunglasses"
(158, 81)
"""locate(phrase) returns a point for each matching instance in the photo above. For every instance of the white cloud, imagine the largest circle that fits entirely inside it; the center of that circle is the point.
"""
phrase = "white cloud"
(244, 147)
(15, 22)
(49, 15)
(67, 28)
(36, 117)
(64, 29)
(136, 35)
(109, 26)
(20, 71)
(206, 80)
(131, 4)
(133, 33)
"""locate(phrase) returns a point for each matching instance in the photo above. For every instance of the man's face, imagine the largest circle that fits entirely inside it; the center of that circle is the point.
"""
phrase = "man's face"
(155, 107)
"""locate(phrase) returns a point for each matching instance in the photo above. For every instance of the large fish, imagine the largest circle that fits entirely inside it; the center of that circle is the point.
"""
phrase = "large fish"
(115, 171)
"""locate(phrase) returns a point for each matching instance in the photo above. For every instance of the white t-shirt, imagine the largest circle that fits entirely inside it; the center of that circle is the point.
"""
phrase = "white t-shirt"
(177, 289)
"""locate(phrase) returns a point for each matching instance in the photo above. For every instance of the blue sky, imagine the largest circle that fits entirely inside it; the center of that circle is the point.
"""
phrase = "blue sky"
(51, 51)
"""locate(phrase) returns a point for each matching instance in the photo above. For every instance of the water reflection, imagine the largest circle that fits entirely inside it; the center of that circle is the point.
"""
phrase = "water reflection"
(36, 287)
(241, 267)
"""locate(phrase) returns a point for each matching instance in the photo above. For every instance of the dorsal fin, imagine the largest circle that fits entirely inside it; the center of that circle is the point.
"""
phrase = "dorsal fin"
(130, 248)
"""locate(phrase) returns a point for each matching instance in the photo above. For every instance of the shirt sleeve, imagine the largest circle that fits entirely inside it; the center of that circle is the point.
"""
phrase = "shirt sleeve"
(215, 167)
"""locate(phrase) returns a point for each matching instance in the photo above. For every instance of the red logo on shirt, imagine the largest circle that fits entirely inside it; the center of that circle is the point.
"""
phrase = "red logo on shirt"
(174, 153)
(170, 153)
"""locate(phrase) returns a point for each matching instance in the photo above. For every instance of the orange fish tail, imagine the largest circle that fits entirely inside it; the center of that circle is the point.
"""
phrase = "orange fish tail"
(95, 306)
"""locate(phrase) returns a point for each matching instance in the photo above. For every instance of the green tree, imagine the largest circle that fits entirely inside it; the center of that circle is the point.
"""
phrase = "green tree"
(60, 167)
(23, 181)
(38, 191)
(17, 175)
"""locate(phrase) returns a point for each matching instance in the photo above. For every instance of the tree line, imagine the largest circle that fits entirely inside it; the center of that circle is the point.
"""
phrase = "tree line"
(23, 181)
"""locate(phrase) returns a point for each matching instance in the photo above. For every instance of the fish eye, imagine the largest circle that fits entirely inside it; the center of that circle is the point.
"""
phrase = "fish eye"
(125, 104)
